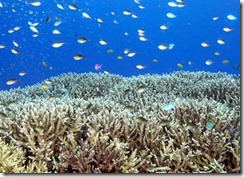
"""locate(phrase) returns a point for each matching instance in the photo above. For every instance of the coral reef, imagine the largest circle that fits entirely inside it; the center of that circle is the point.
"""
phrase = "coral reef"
(98, 123)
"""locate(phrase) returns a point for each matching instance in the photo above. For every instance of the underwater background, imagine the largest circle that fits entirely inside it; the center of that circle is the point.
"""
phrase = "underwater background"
(190, 35)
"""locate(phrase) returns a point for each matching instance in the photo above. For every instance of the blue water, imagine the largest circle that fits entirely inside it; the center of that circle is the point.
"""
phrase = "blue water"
(193, 25)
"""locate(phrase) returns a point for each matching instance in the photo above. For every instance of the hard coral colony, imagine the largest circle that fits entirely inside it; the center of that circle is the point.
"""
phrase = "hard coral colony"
(86, 130)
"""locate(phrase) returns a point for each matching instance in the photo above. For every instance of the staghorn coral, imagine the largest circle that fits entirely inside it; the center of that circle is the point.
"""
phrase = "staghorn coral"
(11, 158)
(79, 124)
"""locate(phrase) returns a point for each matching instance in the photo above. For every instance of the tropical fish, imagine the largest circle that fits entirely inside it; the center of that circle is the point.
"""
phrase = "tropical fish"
(163, 47)
(11, 81)
(98, 67)
(164, 122)
(210, 125)
(79, 57)
(231, 17)
(82, 40)
(179, 65)
(58, 44)
(128, 109)
(171, 15)
(209, 62)
(140, 66)
(141, 119)
(141, 89)
(169, 107)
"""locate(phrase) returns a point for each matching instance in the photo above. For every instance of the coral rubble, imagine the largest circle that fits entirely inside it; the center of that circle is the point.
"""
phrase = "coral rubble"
(79, 124)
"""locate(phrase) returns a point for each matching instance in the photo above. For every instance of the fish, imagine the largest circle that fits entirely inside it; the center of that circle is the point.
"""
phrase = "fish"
(98, 67)
(85, 15)
(227, 29)
(58, 44)
(163, 47)
(79, 57)
(126, 51)
(191, 126)
(33, 24)
(2, 46)
(169, 107)
(11, 81)
(171, 46)
(116, 22)
(209, 62)
(3, 115)
(10, 30)
(44, 86)
(179, 65)
(110, 50)
(22, 73)
(231, 17)
(34, 29)
(142, 38)
(35, 3)
(15, 44)
(190, 62)
(134, 16)
(164, 122)
(141, 7)
(100, 20)
(106, 72)
(205, 44)
(128, 108)
(48, 82)
(221, 42)
(141, 31)
(60, 6)
(48, 19)
(57, 23)
(172, 4)
(103, 42)
(120, 57)
(44, 64)
(225, 61)
(141, 89)
(39, 129)
(171, 15)
(82, 40)
(140, 66)
(164, 27)
(216, 53)
(210, 125)
(131, 54)
(55, 31)
(15, 51)
(35, 35)
(17, 28)
(73, 7)
(141, 119)
(127, 12)
(127, 91)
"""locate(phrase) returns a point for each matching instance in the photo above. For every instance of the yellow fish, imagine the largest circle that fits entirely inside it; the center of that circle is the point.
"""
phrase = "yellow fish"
(179, 65)
(44, 64)
(45, 86)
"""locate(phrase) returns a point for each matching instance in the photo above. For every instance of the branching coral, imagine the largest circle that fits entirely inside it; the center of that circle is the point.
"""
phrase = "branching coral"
(80, 125)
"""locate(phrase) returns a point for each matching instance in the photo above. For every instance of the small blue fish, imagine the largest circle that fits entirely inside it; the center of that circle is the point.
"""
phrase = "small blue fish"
(210, 125)
(169, 107)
